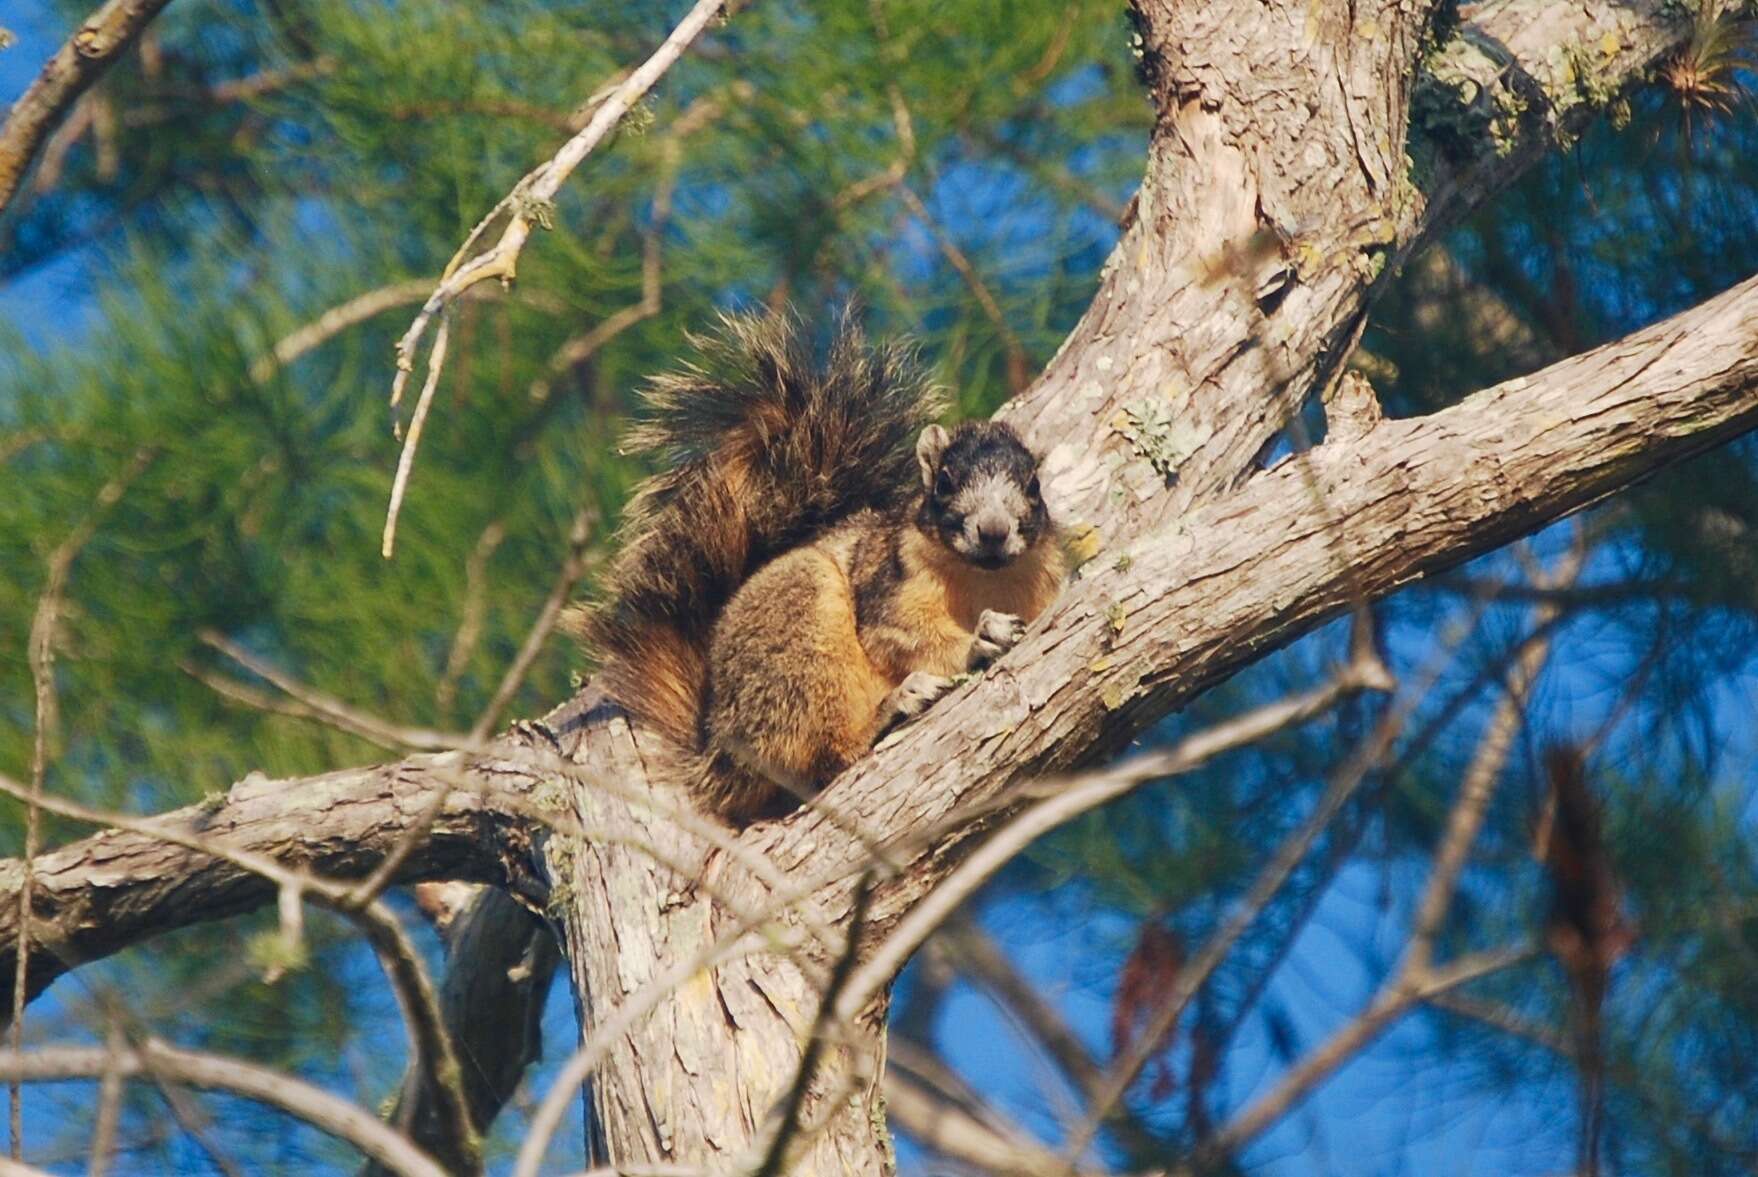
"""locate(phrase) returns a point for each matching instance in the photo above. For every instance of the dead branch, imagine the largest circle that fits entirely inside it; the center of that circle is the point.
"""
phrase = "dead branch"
(104, 36)
(362, 307)
(154, 1059)
(1018, 367)
(1392, 1001)
(317, 705)
(1481, 775)
(530, 203)
(574, 564)
(581, 348)
(475, 606)
(43, 633)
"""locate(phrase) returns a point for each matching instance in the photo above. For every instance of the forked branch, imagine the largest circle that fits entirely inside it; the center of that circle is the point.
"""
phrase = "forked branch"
(530, 203)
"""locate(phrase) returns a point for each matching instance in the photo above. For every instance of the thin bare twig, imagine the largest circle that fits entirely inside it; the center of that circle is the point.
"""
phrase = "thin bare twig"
(944, 1127)
(327, 1113)
(42, 659)
(776, 1154)
(1392, 1001)
(977, 954)
(1485, 769)
(1264, 887)
(574, 565)
(475, 607)
(1018, 367)
(319, 705)
(530, 203)
(109, 1102)
(366, 306)
(103, 37)
(1066, 800)
(412, 440)
(336, 320)
(581, 348)
(194, 1125)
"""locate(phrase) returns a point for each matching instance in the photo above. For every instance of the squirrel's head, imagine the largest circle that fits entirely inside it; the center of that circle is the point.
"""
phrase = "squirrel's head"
(980, 492)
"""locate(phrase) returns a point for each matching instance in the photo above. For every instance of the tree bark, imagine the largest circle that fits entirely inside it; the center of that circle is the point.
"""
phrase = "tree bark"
(103, 894)
(104, 36)
(1276, 193)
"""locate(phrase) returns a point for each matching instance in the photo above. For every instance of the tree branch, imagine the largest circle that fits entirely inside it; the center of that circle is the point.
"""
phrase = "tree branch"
(105, 36)
(528, 205)
(501, 960)
(1518, 80)
(1240, 286)
(1148, 628)
(950, 1130)
(157, 1060)
(110, 891)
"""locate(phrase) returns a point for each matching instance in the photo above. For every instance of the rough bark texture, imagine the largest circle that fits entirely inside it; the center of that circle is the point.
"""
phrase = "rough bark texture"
(107, 892)
(1276, 192)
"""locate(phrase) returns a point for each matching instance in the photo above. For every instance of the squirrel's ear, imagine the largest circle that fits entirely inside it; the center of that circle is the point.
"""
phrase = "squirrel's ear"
(929, 447)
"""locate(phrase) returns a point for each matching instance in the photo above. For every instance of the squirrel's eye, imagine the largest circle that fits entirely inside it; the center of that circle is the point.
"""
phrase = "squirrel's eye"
(943, 485)
(1034, 489)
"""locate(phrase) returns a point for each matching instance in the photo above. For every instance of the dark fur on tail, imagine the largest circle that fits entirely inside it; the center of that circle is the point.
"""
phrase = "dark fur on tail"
(762, 446)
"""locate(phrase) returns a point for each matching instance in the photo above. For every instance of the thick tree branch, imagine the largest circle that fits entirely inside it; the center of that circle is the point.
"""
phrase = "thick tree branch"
(105, 36)
(1518, 80)
(1277, 195)
(110, 891)
(1147, 628)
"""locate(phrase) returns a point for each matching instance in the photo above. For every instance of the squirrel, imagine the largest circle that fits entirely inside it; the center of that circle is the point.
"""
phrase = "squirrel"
(817, 562)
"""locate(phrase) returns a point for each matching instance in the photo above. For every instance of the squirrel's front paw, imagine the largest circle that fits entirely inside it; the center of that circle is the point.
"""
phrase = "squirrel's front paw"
(996, 634)
(914, 695)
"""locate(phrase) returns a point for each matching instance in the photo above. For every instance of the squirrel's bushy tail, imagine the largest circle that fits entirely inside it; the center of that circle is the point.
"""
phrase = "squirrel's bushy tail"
(761, 447)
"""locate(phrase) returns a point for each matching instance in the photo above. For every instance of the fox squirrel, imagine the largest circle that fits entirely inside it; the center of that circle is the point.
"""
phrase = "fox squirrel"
(816, 563)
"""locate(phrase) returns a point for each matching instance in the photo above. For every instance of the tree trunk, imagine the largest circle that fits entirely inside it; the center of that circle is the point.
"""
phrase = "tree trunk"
(695, 1079)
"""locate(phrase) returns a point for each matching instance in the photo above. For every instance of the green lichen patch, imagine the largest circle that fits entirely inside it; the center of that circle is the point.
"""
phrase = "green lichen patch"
(1155, 436)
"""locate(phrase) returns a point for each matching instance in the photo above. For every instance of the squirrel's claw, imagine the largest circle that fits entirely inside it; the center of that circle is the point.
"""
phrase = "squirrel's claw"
(996, 634)
(911, 697)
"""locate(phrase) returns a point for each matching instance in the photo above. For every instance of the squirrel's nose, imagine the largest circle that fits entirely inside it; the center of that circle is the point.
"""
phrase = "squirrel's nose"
(992, 535)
